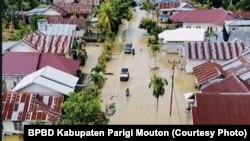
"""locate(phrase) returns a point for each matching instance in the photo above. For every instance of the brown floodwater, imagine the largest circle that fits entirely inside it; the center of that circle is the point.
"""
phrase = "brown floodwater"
(140, 107)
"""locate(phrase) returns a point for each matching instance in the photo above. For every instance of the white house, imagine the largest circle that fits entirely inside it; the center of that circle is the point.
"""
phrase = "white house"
(171, 8)
(172, 40)
(47, 80)
(21, 109)
(212, 19)
(197, 53)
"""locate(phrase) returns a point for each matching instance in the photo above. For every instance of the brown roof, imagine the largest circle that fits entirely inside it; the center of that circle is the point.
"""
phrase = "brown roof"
(214, 50)
(218, 108)
(49, 43)
(73, 8)
(168, 5)
(79, 22)
(231, 84)
(239, 69)
(31, 107)
(214, 16)
(208, 71)
(242, 15)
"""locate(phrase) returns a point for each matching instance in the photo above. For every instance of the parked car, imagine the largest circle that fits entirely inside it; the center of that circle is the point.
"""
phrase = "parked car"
(124, 75)
(128, 48)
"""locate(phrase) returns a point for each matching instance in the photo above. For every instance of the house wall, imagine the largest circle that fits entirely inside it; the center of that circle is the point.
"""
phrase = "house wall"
(65, 1)
(22, 47)
(51, 12)
(35, 88)
(191, 63)
(9, 81)
(8, 126)
(205, 26)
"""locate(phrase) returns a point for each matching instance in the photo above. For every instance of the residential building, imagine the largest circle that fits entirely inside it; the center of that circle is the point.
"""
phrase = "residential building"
(16, 65)
(19, 109)
(242, 15)
(47, 80)
(172, 40)
(210, 20)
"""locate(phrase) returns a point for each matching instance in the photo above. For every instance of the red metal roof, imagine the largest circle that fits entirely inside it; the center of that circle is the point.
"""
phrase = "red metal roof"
(49, 43)
(31, 107)
(168, 5)
(93, 2)
(79, 22)
(242, 15)
(217, 108)
(231, 84)
(238, 69)
(215, 16)
(214, 50)
(73, 8)
(24, 63)
(208, 71)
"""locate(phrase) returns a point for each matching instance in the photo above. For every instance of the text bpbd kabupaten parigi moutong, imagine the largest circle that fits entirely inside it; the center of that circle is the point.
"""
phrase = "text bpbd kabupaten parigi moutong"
(174, 133)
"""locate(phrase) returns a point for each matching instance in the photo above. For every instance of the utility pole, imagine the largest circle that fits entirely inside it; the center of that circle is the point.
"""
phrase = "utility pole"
(173, 63)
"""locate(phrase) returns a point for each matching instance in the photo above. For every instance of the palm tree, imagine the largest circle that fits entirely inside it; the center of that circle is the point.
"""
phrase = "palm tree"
(88, 26)
(97, 78)
(158, 84)
(106, 16)
(155, 48)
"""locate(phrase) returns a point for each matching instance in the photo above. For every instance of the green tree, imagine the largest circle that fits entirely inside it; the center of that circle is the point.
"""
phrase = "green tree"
(155, 48)
(34, 20)
(158, 84)
(97, 78)
(147, 7)
(147, 24)
(83, 109)
(99, 68)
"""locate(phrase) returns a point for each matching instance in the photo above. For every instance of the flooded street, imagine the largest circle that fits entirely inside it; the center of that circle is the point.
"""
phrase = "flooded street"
(140, 107)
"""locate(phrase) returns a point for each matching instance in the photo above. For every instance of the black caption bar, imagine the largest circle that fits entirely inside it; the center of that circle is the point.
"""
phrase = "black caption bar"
(134, 132)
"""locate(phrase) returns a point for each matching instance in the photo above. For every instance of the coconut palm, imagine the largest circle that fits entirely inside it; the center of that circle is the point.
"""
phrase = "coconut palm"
(158, 84)
(106, 16)
(155, 48)
(97, 78)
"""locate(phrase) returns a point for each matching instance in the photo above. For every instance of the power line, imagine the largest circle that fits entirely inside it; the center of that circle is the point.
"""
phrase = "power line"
(173, 63)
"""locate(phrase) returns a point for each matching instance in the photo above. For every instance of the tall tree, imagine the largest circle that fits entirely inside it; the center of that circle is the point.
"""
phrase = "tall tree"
(155, 48)
(158, 84)
(83, 109)
(147, 7)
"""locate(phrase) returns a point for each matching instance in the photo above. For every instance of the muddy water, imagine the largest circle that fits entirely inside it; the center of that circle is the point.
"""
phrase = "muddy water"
(140, 107)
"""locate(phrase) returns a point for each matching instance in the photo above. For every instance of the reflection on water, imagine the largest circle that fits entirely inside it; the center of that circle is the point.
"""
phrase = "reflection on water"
(140, 107)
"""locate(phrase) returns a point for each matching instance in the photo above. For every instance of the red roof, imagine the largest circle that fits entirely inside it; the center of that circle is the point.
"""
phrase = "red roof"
(168, 5)
(73, 8)
(216, 108)
(231, 84)
(31, 107)
(93, 2)
(241, 66)
(215, 16)
(79, 22)
(208, 71)
(242, 15)
(214, 50)
(24, 63)
(49, 43)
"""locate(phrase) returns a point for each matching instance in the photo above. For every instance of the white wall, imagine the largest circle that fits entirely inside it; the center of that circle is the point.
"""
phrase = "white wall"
(9, 80)
(22, 47)
(65, 1)
(35, 88)
(8, 126)
(216, 28)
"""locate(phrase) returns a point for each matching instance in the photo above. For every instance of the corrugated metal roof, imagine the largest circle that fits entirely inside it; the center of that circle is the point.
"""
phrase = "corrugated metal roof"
(242, 14)
(73, 8)
(24, 63)
(169, 5)
(219, 108)
(49, 43)
(214, 16)
(208, 71)
(213, 50)
(50, 78)
(79, 22)
(60, 29)
(31, 107)
(231, 84)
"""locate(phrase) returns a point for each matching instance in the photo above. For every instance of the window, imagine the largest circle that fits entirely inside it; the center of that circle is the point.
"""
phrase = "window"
(188, 26)
(18, 125)
(198, 26)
